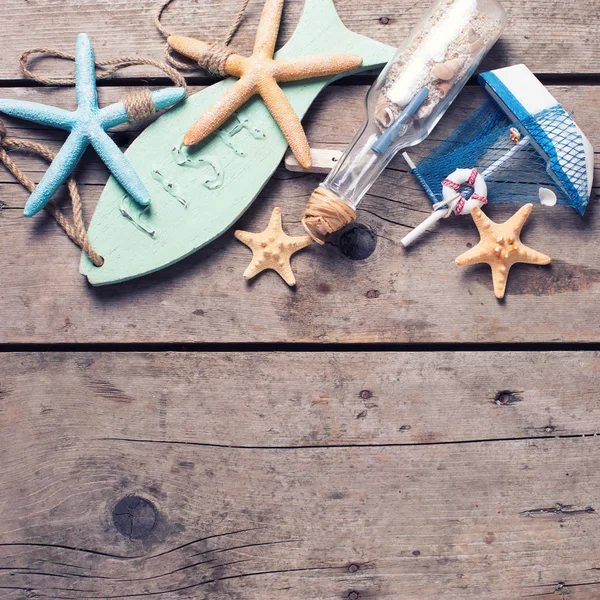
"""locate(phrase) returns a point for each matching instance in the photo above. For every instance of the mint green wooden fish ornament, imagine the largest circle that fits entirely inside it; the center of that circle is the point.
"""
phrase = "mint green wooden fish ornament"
(199, 191)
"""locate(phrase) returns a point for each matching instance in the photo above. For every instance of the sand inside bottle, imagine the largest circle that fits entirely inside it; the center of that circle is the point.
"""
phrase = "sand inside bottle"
(448, 46)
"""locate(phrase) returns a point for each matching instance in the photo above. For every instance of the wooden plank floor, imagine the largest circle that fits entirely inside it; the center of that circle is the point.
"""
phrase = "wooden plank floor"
(238, 468)
(285, 475)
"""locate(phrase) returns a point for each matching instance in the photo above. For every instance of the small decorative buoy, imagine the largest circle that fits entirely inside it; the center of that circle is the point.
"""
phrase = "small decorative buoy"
(452, 186)
(453, 200)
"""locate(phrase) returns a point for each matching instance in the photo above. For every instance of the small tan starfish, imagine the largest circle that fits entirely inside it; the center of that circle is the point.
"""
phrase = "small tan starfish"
(501, 247)
(260, 74)
(272, 249)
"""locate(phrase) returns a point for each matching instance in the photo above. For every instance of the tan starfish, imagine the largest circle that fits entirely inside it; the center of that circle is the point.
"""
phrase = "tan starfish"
(501, 247)
(272, 249)
(260, 74)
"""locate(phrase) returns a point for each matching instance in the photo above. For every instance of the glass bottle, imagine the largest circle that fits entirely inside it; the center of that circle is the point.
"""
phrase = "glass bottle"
(406, 102)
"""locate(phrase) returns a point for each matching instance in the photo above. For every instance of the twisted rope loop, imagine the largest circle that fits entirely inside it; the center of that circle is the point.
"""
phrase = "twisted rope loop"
(75, 229)
(139, 105)
(216, 54)
(109, 67)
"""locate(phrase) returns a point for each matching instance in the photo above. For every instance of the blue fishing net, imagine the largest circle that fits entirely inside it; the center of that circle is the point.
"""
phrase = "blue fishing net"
(516, 170)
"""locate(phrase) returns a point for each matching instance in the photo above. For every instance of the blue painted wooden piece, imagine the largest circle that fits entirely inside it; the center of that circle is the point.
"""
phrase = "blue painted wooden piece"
(88, 125)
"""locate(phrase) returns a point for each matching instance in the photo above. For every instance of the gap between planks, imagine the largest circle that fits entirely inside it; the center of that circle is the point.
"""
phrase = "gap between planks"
(298, 347)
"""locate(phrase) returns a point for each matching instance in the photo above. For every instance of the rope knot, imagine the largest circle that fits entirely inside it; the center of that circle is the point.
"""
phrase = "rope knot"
(2, 131)
(215, 57)
(139, 105)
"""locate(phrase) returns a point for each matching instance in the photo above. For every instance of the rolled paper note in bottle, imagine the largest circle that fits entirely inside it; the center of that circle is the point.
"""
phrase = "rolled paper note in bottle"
(406, 102)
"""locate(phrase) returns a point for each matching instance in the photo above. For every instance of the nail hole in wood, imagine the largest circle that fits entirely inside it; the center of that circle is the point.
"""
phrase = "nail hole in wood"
(506, 398)
(134, 517)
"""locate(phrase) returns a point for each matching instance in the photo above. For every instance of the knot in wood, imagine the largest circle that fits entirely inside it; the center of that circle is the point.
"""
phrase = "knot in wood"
(139, 106)
(135, 517)
(214, 59)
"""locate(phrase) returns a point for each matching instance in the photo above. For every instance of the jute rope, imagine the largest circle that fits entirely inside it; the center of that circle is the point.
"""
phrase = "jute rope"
(138, 104)
(325, 213)
(216, 54)
(110, 66)
(76, 229)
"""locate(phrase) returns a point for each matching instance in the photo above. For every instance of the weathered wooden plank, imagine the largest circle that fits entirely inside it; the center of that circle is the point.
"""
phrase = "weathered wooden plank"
(551, 36)
(416, 296)
(325, 128)
(343, 398)
(284, 475)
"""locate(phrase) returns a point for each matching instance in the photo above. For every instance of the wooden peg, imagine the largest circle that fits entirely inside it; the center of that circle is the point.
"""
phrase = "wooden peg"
(323, 160)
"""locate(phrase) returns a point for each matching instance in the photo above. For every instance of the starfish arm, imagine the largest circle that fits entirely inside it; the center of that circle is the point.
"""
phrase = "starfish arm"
(115, 114)
(481, 220)
(275, 222)
(85, 73)
(167, 97)
(58, 171)
(284, 268)
(473, 256)
(247, 238)
(300, 242)
(288, 121)
(188, 46)
(196, 49)
(120, 167)
(530, 256)
(268, 28)
(315, 66)
(254, 268)
(500, 278)
(516, 222)
(38, 113)
(220, 111)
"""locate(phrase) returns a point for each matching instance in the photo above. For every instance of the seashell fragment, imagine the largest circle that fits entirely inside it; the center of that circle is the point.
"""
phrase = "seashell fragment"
(384, 112)
(443, 88)
(547, 197)
(447, 70)
(425, 110)
(515, 135)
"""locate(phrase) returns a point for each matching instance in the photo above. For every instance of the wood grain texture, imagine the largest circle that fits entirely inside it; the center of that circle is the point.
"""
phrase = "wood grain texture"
(550, 36)
(415, 296)
(384, 475)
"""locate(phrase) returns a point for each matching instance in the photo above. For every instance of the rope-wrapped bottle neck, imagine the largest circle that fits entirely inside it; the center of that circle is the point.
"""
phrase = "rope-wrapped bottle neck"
(325, 214)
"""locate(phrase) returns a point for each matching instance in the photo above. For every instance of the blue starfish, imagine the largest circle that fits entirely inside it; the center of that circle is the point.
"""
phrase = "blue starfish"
(88, 125)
